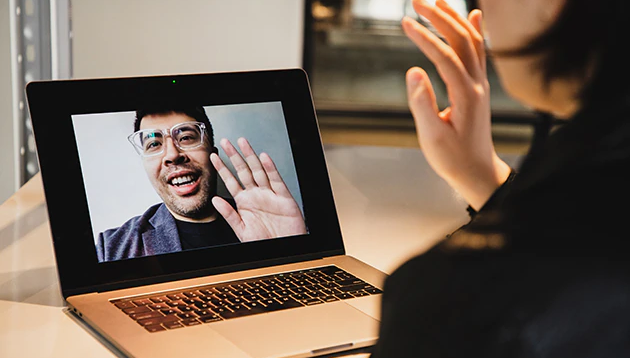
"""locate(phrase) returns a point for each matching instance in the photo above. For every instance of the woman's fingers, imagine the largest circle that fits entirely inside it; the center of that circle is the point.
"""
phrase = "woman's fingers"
(422, 103)
(457, 34)
(473, 27)
(446, 61)
(475, 19)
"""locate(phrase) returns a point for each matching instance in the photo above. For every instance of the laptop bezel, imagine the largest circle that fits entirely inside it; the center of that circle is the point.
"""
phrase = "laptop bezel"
(51, 105)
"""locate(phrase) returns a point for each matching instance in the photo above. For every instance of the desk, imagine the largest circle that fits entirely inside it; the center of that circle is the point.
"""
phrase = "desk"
(391, 206)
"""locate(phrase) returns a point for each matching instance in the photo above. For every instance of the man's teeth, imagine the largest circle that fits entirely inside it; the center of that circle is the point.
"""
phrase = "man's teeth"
(182, 180)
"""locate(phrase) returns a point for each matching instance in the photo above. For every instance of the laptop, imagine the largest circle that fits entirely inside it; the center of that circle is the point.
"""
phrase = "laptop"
(121, 160)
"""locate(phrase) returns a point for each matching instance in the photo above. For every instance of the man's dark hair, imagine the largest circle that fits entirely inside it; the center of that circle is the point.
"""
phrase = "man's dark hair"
(198, 113)
(586, 42)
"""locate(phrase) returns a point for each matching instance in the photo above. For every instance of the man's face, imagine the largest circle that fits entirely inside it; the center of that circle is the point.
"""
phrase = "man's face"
(184, 179)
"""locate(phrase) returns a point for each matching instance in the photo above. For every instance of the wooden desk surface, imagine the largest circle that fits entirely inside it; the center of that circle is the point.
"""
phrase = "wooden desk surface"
(391, 206)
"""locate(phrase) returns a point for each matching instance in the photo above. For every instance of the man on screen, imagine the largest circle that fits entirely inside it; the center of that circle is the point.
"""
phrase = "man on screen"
(180, 158)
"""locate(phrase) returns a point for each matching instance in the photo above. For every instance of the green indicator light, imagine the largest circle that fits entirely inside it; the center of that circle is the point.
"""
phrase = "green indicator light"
(173, 81)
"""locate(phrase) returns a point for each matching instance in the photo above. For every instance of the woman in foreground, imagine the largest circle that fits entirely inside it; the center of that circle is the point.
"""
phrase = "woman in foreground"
(541, 269)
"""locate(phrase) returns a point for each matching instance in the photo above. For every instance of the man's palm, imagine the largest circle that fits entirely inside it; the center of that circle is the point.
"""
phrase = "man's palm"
(264, 205)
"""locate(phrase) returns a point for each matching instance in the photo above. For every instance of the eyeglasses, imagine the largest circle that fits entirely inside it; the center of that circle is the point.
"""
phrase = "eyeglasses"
(151, 142)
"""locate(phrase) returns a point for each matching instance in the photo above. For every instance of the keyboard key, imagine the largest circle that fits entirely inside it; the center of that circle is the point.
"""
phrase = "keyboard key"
(317, 294)
(351, 282)
(157, 320)
(220, 310)
(145, 315)
(351, 288)
(172, 325)
(224, 289)
(133, 310)
(251, 298)
(176, 303)
(235, 301)
(203, 306)
(203, 312)
(154, 328)
(289, 302)
(359, 293)
(256, 285)
(239, 287)
(124, 304)
(209, 291)
(158, 306)
(311, 301)
(254, 305)
(168, 311)
(343, 296)
(329, 298)
(142, 302)
(159, 299)
(210, 318)
(190, 322)
(282, 293)
(236, 308)
(191, 294)
(331, 284)
(176, 297)
(186, 315)
(301, 297)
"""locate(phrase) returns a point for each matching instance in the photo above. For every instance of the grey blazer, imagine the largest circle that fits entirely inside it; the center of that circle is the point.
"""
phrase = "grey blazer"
(151, 233)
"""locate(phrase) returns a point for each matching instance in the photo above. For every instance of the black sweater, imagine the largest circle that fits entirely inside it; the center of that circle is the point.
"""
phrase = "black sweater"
(541, 270)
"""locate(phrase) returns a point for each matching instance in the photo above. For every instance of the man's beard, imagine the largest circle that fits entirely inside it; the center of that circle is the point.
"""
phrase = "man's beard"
(198, 206)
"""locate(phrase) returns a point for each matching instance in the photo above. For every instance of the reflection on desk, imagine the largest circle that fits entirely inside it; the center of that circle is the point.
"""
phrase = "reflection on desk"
(390, 203)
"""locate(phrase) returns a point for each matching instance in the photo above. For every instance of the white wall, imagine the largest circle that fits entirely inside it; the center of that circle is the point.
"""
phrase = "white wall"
(147, 37)
(7, 140)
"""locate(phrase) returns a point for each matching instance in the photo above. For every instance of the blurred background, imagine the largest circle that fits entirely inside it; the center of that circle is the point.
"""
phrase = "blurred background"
(354, 51)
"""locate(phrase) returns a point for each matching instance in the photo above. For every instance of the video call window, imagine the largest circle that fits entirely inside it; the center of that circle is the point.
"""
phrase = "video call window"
(150, 190)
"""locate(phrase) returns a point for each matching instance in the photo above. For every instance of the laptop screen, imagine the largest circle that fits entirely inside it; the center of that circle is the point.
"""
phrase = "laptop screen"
(155, 178)
(161, 198)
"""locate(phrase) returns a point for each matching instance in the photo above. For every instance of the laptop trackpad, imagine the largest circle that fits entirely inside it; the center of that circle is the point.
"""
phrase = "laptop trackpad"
(300, 330)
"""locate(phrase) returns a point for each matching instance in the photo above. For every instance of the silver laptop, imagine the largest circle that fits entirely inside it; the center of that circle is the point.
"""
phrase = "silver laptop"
(193, 215)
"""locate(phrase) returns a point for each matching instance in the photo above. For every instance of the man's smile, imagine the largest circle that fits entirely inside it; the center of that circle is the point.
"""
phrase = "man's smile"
(184, 182)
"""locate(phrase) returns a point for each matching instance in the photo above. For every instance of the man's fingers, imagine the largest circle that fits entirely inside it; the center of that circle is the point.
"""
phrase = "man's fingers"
(232, 185)
(257, 170)
(241, 167)
(448, 22)
(277, 184)
(446, 61)
(230, 215)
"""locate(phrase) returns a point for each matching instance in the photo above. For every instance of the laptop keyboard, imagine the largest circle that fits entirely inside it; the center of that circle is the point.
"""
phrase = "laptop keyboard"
(228, 300)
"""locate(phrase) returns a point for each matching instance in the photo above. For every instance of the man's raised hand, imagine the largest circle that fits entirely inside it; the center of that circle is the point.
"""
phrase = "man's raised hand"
(265, 207)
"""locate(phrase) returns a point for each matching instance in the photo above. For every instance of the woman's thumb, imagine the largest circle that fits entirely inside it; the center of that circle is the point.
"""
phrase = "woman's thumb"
(421, 98)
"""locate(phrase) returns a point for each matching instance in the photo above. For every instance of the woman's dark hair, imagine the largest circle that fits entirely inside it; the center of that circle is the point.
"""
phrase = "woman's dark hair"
(198, 113)
(586, 42)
